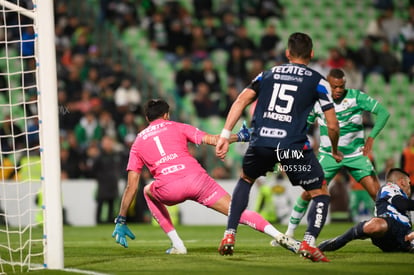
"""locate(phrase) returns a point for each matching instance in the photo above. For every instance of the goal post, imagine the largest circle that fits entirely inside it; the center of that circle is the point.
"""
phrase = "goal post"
(49, 133)
(17, 194)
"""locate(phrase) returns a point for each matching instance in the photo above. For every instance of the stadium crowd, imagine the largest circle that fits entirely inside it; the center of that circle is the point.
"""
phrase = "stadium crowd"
(99, 99)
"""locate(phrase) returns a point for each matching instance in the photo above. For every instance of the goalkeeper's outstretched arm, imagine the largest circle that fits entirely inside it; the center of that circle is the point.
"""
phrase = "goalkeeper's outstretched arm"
(121, 229)
(129, 192)
(243, 135)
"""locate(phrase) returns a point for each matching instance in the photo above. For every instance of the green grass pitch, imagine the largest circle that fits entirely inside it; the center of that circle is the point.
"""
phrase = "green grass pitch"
(92, 250)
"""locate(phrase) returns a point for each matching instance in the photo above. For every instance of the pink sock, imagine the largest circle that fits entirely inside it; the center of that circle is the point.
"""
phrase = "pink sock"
(160, 213)
(254, 220)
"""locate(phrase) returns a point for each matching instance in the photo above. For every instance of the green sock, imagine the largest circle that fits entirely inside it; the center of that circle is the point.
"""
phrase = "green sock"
(297, 214)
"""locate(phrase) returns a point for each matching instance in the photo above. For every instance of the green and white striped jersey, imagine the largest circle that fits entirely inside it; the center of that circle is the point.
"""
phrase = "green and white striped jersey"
(349, 114)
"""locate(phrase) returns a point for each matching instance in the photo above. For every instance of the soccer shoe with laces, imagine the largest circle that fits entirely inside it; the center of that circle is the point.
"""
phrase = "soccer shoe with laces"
(227, 245)
(312, 253)
(173, 250)
(287, 242)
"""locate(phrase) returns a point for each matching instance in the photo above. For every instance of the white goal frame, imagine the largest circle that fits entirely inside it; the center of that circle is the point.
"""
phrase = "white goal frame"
(43, 17)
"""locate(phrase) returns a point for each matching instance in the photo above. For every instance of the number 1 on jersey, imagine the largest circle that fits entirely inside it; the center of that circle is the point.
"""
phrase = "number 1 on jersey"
(159, 145)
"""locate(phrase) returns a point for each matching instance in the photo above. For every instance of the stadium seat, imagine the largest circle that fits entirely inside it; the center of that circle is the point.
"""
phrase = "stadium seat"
(219, 58)
(399, 80)
(374, 84)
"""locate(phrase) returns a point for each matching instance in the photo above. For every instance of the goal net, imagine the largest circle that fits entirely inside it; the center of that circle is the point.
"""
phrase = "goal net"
(30, 194)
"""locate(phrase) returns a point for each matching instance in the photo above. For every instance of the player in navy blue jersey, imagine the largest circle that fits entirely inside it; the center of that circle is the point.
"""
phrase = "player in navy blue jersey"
(390, 229)
(285, 95)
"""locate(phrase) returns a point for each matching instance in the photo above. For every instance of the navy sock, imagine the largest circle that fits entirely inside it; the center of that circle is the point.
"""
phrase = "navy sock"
(239, 202)
(318, 211)
(356, 232)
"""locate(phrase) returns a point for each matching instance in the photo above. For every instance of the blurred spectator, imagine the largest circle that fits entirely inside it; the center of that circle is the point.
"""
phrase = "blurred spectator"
(178, 41)
(107, 124)
(383, 4)
(28, 44)
(186, 78)
(244, 42)
(106, 169)
(209, 75)
(70, 157)
(92, 83)
(73, 85)
(264, 9)
(71, 25)
(391, 26)
(128, 129)
(407, 160)
(209, 27)
(127, 97)
(205, 103)
(33, 132)
(84, 105)
(95, 60)
(108, 103)
(256, 66)
(62, 42)
(270, 8)
(157, 32)
(407, 59)
(229, 98)
(407, 30)
(335, 59)
(345, 50)
(122, 13)
(199, 48)
(353, 75)
(12, 137)
(236, 68)
(389, 164)
(368, 57)
(87, 130)
(82, 42)
(226, 33)
(388, 61)
(269, 42)
(68, 116)
(202, 8)
(375, 30)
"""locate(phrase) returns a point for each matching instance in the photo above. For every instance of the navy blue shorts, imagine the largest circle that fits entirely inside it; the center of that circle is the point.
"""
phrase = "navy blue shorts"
(301, 166)
(393, 240)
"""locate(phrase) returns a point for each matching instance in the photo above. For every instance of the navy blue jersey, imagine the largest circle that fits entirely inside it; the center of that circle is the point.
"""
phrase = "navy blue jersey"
(285, 96)
(385, 208)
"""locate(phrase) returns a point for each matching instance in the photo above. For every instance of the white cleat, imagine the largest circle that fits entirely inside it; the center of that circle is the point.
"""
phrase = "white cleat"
(274, 243)
(287, 242)
(173, 250)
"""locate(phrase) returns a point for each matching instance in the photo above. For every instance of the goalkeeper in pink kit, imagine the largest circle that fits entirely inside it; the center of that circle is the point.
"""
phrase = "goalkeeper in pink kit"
(162, 147)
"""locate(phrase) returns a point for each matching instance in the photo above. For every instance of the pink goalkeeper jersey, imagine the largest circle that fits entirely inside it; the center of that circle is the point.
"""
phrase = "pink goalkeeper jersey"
(162, 147)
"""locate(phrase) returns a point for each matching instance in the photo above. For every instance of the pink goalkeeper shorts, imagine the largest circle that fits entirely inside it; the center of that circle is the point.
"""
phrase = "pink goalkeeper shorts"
(196, 187)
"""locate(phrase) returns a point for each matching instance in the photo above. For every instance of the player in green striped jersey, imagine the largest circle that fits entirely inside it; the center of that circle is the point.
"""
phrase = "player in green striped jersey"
(349, 105)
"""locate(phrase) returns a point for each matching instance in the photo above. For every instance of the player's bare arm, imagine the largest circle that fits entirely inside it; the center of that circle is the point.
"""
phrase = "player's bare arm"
(246, 97)
(130, 192)
(333, 132)
(212, 139)
(368, 146)
(382, 116)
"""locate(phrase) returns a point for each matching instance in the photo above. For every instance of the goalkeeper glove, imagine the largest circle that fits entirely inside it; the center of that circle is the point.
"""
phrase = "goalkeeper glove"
(121, 231)
(244, 134)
